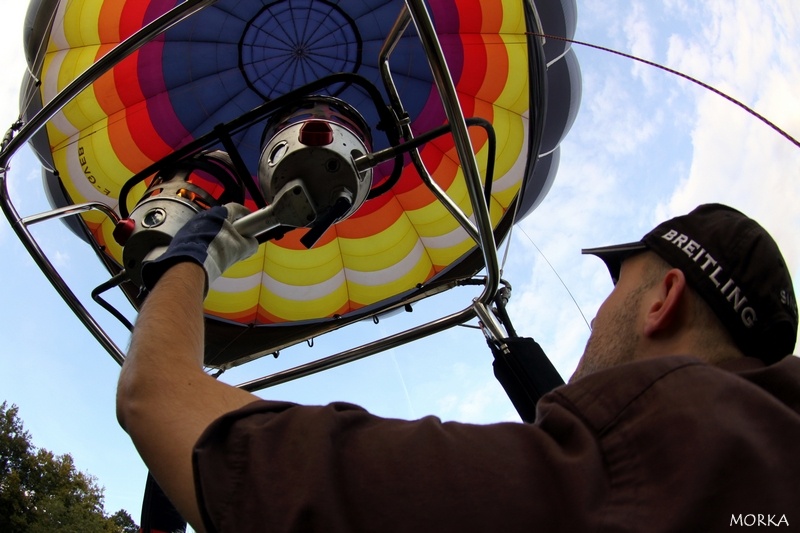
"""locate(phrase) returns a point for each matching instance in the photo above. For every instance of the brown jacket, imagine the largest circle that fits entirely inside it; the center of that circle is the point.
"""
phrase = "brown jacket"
(668, 444)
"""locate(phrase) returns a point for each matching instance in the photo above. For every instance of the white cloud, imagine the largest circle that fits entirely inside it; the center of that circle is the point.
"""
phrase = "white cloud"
(639, 32)
(683, 8)
(730, 49)
(12, 58)
(457, 385)
(737, 159)
(479, 403)
(614, 126)
(61, 259)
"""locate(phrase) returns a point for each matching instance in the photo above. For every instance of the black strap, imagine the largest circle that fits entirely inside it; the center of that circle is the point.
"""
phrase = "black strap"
(525, 372)
(158, 513)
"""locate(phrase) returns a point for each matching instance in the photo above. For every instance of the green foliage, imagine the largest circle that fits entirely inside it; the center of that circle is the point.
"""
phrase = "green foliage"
(124, 522)
(44, 493)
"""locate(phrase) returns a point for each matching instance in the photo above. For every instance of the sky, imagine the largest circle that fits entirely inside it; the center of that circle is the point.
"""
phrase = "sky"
(646, 146)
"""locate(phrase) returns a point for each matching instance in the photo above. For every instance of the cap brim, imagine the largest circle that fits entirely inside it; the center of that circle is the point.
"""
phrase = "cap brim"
(613, 256)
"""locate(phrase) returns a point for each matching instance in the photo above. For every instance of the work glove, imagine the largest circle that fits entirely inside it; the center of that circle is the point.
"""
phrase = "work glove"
(209, 240)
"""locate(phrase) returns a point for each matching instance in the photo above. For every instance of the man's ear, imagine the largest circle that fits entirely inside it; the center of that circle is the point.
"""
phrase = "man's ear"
(665, 309)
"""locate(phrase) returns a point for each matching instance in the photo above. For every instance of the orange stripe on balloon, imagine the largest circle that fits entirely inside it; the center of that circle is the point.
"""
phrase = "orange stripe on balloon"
(265, 317)
(108, 22)
(291, 241)
(370, 206)
(376, 222)
(355, 306)
(137, 118)
(441, 159)
(417, 198)
(120, 134)
(491, 16)
(409, 179)
(127, 83)
(245, 316)
(421, 196)
(498, 70)
(125, 148)
(105, 89)
(143, 133)
(490, 76)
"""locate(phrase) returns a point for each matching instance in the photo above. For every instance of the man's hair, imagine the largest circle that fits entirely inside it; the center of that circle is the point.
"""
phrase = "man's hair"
(713, 341)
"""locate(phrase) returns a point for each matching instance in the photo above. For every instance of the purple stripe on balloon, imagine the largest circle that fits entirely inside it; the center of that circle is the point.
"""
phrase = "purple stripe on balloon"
(153, 86)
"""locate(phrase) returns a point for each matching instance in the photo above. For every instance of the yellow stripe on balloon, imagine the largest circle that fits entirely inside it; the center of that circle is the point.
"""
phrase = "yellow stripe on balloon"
(382, 250)
(76, 175)
(440, 226)
(101, 159)
(514, 20)
(68, 166)
(252, 266)
(511, 142)
(403, 268)
(435, 212)
(443, 257)
(303, 292)
(84, 110)
(445, 240)
(224, 303)
(80, 25)
(515, 95)
(302, 305)
(505, 195)
(302, 267)
(366, 288)
(107, 239)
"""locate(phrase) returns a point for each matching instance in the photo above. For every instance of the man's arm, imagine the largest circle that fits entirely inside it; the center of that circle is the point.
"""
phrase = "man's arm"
(164, 399)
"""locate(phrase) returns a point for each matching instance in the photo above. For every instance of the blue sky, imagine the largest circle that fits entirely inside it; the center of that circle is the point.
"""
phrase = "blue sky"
(645, 146)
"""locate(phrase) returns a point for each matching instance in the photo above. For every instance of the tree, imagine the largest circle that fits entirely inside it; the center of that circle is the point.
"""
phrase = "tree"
(41, 492)
(124, 522)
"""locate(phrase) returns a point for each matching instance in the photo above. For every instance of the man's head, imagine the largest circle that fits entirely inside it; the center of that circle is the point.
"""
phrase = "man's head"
(728, 272)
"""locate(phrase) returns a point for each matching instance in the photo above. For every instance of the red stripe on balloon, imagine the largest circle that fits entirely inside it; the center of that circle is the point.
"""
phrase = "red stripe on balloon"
(131, 19)
(369, 225)
(371, 206)
(475, 66)
(470, 16)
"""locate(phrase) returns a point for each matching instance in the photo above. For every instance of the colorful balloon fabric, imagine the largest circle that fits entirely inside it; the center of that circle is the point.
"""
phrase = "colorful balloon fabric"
(237, 54)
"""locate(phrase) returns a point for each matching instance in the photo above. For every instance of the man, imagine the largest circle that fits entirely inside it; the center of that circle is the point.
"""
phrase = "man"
(683, 414)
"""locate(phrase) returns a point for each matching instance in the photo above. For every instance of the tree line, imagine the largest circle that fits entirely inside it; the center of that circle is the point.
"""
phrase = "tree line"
(42, 492)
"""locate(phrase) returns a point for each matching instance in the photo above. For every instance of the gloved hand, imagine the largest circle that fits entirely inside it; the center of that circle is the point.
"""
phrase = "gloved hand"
(209, 240)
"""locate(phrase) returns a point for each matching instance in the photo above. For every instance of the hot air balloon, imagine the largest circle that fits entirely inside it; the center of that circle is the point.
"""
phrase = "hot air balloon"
(411, 136)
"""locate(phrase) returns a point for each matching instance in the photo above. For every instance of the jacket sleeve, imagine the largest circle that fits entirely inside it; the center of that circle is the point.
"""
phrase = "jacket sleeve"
(281, 467)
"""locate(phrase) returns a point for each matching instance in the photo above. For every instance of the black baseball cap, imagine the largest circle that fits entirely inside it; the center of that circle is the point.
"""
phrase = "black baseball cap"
(735, 265)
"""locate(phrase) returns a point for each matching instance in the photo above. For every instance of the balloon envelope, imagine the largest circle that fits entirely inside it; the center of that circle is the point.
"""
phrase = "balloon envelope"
(238, 54)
